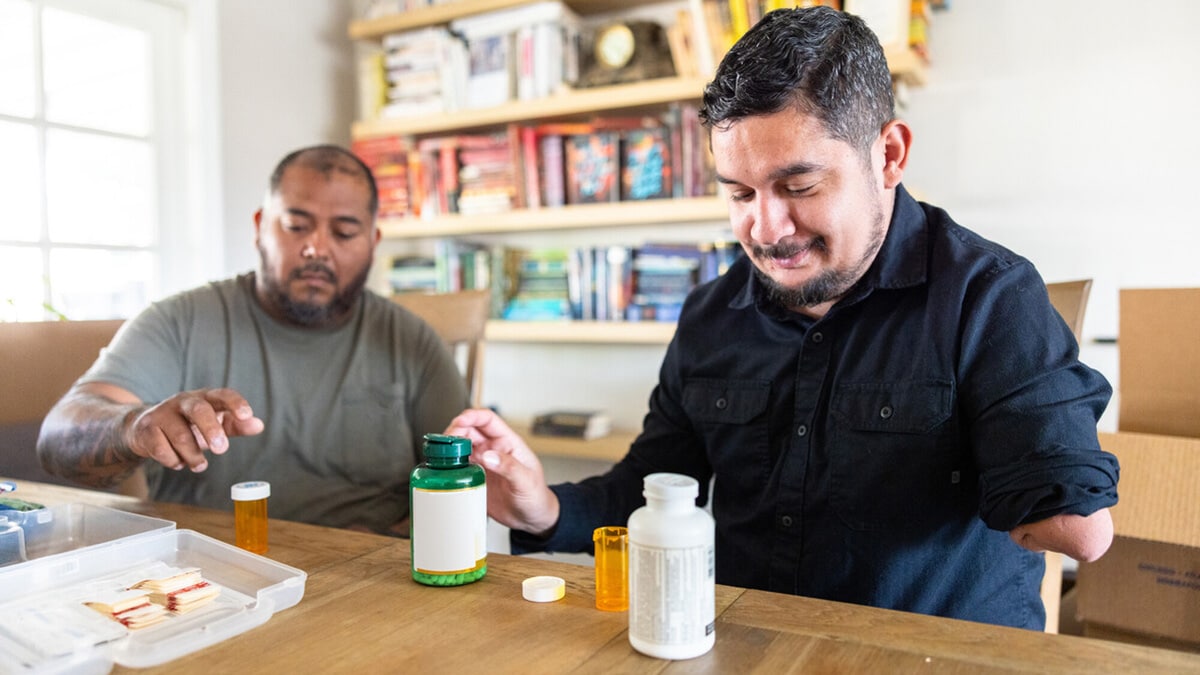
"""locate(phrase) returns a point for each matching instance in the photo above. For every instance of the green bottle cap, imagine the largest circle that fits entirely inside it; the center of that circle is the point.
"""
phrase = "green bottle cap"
(441, 446)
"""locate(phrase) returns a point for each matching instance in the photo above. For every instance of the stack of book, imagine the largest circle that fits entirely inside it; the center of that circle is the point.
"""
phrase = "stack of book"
(521, 53)
(388, 157)
(542, 287)
(597, 283)
(424, 70)
(411, 273)
(581, 424)
(663, 275)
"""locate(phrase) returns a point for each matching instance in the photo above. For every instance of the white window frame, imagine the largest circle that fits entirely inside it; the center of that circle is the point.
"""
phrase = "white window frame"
(184, 136)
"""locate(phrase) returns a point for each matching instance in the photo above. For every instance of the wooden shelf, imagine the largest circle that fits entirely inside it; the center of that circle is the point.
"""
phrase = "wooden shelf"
(434, 15)
(616, 214)
(906, 66)
(581, 332)
(610, 448)
(576, 102)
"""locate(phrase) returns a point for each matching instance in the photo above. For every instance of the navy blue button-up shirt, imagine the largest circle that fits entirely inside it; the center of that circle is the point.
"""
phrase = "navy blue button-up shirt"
(880, 454)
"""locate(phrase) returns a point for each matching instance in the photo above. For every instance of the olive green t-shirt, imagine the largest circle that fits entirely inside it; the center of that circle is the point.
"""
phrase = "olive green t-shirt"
(344, 409)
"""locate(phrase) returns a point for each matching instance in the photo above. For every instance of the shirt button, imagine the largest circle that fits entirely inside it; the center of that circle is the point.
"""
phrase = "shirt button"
(885, 412)
(785, 521)
(802, 430)
(817, 337)
(722, 404)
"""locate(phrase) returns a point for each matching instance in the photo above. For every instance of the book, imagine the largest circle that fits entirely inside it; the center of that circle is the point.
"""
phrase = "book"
(592, 167)
(582, 424)
(663, 275)
(388, 159)
(523, 52)
(542, 287)
(411, 273)
(646, 164)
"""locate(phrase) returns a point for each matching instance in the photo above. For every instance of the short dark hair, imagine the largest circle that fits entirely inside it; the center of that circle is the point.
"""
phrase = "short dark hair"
(327, 159)
(826, 63)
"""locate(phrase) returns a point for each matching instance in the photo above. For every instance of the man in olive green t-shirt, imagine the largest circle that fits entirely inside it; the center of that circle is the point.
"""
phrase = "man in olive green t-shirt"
(293, 374)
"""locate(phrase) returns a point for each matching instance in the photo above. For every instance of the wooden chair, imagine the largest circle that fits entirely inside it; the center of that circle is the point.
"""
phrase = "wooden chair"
(460, 319)
(1070, 299)
(42, 359)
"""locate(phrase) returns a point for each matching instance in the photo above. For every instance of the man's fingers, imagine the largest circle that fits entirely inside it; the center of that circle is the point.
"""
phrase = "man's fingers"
(234, 412)
(204, 420)
(170, 442)
(229, 400)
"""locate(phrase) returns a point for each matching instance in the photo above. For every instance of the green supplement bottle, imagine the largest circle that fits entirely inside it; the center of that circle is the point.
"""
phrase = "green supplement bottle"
(448, 509)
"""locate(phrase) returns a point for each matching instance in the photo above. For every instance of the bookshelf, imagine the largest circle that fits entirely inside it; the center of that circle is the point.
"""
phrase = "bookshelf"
(374, 29)
(646, 96)
(641, 96)
(622, 97)
(571, 217)
(581, 332)
(610, 448)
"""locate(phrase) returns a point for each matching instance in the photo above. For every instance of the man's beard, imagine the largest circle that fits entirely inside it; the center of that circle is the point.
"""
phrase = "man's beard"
(312, 314)
(828, 285)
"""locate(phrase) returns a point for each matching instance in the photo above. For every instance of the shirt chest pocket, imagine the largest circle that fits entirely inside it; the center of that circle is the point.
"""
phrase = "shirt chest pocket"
(374, 435)
(730, 415)
(893, 453)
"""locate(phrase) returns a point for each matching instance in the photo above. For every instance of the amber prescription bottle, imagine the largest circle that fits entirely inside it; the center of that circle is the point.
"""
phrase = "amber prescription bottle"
(612, 568)
(448, 512)
(250, 514)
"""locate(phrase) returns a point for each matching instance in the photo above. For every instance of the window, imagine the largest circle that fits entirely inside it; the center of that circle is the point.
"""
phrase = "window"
(96, 169)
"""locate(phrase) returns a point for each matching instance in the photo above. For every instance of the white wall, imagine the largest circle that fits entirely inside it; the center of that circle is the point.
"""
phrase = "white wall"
(1065, 131)
(286, 81)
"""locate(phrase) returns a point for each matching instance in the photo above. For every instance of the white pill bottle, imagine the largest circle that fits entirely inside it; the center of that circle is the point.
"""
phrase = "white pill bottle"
(672, 571)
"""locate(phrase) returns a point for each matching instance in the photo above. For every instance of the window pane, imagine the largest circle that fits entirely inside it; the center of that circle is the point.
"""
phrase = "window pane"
(21, 284)
(16, 58)
(21, 178)
(90, 284)
(96, 74)
(99, 190)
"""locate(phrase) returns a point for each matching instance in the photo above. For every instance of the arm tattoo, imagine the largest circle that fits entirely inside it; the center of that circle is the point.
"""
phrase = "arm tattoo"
(89, 442)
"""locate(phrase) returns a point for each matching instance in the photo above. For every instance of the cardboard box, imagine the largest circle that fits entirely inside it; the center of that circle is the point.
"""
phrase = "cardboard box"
(1148, 583)
(1159, 351)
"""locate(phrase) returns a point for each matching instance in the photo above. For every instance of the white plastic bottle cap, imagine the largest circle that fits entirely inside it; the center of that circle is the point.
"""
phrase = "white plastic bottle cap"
(670, 486)
(250, 491)
(543, 589)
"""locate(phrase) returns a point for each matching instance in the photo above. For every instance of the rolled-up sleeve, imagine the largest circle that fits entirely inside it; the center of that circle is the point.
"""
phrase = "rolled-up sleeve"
(1032, 406)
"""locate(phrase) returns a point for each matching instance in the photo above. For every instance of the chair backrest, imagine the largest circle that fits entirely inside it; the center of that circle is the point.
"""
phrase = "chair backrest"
(42, 360)
(460, 318)
(1070, 299)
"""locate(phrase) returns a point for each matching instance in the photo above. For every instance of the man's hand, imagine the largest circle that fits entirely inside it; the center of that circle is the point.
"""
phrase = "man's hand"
(517, 493)
(176, 432)
(99, 434)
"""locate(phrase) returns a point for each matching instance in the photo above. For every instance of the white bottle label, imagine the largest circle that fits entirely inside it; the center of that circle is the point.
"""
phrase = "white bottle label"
(449, 530)
(672, 596)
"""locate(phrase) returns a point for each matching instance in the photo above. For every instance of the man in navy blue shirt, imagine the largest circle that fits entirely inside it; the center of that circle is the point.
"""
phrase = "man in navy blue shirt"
(891, 411)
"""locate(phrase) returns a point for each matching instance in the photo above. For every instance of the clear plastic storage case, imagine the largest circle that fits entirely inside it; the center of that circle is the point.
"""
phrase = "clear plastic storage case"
(54, 560)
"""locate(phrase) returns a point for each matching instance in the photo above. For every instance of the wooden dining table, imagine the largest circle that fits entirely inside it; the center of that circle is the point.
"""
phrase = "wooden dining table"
(362, 613)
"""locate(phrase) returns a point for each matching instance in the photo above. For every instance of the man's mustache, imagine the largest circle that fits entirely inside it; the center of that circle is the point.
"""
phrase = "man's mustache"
(789, 249)
(314, 268)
